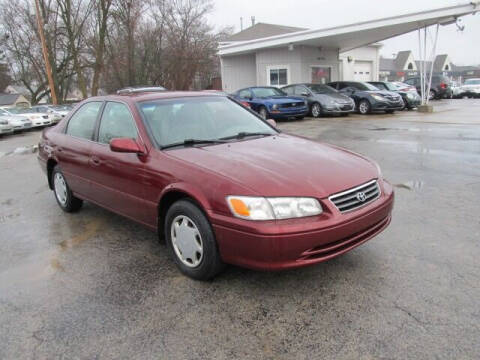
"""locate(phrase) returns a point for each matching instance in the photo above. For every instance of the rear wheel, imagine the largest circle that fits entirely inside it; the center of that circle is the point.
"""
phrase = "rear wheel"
(65, 198)
(364, 107)
(316, 110)
(263, 112)
(191, 241)
(432, 95)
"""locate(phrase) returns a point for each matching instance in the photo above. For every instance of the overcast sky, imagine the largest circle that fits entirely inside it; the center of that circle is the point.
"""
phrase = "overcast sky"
(463, 47)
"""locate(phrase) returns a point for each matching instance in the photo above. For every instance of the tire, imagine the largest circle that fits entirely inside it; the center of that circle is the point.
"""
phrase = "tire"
(262, 111)
(389, 111)
(316, 110)
(432, 95)
(364, 107)
(200, 258)
(405, 105)
(64, 196)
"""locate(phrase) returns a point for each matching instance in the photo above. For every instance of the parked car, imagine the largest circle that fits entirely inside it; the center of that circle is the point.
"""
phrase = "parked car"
(37, 119)
(270, 102)
(369, 98)
(471, 88)
(322, 99)
(440, 88)
(456, 90)
(5, 126)
(63, 110)
(409, 95)
(220, 184)
(18, 122)
(53, 115)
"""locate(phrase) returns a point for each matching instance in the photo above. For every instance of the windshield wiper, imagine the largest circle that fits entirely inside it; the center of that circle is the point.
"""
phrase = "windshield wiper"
(191, 142)
(244, 134)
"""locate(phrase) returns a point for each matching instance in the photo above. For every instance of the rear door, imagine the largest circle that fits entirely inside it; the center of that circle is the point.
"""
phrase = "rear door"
(72, 149)
(117, 178)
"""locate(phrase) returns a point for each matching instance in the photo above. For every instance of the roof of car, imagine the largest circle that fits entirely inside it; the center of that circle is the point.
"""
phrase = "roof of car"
(145, 96)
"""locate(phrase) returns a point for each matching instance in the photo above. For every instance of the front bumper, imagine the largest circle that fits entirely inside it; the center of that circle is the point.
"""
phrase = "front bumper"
(387, 105)
(288, 113)
(339, 109)
(278, 245)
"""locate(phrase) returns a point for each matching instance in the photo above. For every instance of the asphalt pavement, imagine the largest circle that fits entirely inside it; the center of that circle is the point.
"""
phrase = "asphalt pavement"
(93, 285)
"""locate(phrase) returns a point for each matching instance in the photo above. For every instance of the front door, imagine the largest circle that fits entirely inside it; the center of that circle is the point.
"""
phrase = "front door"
(321, 74)
(117, 178)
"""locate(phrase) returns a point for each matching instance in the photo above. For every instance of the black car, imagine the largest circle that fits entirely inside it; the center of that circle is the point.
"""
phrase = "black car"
(440, 88)
(410, 97)
(368, 98)
(322, 99)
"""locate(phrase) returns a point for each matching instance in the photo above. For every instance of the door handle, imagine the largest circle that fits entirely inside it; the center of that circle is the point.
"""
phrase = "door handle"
(95, 161)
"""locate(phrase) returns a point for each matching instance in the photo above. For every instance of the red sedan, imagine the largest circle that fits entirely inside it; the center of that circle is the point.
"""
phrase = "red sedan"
(220, 184)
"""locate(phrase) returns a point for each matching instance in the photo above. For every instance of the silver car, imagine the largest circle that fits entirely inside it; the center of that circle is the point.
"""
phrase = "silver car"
(17, 122)
(471, 88)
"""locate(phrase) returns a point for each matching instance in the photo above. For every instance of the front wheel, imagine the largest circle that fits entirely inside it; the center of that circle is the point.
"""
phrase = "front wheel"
(316, 110)
(364, 107)
(191, 241)
(65, 198)
(432, 95)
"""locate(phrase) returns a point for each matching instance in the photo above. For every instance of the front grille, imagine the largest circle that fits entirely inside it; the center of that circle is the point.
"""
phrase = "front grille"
(347, 107)
(45, 116)
(357, 197)
(291, 105)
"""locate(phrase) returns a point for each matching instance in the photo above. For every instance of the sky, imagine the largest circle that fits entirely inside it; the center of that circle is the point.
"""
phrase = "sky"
(462, 47)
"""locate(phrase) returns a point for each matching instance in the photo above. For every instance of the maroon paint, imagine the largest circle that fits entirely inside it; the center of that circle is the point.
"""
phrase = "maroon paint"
(131, 178)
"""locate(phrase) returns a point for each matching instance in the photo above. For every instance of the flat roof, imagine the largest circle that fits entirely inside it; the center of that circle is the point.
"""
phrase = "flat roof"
(351, 36)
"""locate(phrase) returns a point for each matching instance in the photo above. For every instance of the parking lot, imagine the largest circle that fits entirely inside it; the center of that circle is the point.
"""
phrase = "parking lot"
(93, 285)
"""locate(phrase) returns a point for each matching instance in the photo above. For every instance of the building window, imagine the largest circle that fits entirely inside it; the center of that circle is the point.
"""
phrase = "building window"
(410, 66)
(278, 76)
(447, 68)
(321, 74)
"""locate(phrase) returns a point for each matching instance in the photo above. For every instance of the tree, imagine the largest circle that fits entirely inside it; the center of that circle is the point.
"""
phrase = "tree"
(5, 78)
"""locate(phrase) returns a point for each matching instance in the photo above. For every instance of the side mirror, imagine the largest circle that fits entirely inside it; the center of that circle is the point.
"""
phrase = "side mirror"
(125, 145)
(272, 122)
(305, 94)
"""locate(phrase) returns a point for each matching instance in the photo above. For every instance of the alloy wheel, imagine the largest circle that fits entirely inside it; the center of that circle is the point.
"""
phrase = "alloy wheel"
(316, 110)
(187, 241)
(263, 113)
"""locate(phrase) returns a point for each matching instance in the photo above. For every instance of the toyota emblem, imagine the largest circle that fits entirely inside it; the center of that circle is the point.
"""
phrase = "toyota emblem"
(361, 196)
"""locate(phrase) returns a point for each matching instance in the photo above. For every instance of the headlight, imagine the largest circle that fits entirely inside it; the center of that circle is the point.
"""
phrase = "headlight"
(410, 95)
(274, 107)
(277, 208)
(378, 97)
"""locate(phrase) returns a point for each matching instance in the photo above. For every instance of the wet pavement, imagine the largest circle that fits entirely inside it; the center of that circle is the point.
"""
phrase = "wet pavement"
(93, 285)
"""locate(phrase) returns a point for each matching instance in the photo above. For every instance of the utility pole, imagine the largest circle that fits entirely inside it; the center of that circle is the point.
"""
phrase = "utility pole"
(48, 67)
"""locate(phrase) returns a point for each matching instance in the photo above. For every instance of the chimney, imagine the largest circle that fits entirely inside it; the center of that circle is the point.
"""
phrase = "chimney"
(253, 20)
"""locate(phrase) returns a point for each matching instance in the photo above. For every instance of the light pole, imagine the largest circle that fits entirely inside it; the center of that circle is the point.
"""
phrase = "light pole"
(48, 67)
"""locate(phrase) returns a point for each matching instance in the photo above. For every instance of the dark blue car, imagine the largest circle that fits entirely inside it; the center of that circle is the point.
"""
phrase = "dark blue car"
(273, 103)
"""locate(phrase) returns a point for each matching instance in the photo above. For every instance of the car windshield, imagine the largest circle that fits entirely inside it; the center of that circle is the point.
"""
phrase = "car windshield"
(3, 112)
(267, 92)
(15, 111)
(200, 118)
(472, 82)
(365, 86)
(381, 86)
(321, 89)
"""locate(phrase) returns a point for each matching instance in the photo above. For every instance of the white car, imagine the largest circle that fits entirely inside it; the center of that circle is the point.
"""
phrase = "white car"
(53, 115)
(5, 127)
(63, 110)
(18, 122)
(37, 119)
(471, 88)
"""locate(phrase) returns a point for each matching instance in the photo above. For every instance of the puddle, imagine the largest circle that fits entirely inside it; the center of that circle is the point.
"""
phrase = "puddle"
(411, 185)
(397, 129)
(22, 150)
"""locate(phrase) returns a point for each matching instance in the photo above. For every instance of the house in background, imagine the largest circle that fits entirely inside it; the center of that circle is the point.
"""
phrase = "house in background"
(13, 100)
(404, 66)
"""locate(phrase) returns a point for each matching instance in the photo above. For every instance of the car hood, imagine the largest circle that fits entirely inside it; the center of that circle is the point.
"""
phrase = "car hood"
(281, 99)
(283, 165)
(333, 96)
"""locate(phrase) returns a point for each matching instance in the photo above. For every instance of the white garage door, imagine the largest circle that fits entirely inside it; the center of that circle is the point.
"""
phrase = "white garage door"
(363, 71)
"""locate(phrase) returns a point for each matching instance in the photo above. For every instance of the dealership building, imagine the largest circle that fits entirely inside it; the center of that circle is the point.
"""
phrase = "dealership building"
(276, 55)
